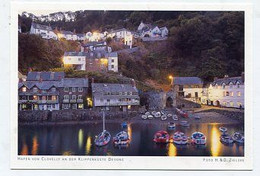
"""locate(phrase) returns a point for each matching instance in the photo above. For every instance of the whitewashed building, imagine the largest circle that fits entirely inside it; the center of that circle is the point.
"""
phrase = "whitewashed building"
(115, 96)
(75, 59)
(44, 31)
(226, 92)
(190, 88)
(151, 31)
(68, 35)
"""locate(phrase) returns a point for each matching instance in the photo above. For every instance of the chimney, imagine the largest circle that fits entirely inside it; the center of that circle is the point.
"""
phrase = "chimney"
(133, 83)
(243, 77)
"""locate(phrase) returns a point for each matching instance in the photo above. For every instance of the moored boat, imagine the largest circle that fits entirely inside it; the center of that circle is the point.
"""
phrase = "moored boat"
(150, 117)
(184, 123)
(147, 113)
(226, 139)
(196, 117)
(223, 130)
(124, 125)
(157, 115)
(175, 117)
(171, 125)
(144, 117)
(164, 117)
(238, 138)
(104, 137)
(161, 137)
(179, 138)
(121, 138)
(198, 138)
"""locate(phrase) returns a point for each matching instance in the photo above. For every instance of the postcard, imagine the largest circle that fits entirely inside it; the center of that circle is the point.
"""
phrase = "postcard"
(159, 86)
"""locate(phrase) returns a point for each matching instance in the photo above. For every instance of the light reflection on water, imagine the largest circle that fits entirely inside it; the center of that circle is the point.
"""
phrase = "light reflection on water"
(78, 140)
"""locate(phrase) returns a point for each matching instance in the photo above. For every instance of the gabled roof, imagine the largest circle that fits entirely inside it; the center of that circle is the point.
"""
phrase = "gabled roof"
(74, 82)
(228, 80)
(45, 76)
(44, 85)
(187, 80)
(40, 26)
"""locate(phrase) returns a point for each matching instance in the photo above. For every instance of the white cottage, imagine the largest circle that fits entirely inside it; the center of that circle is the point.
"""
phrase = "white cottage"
(44, 31)
(151, 31)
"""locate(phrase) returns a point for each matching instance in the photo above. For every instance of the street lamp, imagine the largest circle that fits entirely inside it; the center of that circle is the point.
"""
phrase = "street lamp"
(171, 78)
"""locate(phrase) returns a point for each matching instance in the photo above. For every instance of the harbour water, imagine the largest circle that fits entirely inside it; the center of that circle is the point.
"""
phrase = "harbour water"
(79, 140)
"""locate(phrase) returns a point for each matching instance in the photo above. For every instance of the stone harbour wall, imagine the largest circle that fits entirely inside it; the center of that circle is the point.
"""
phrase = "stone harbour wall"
(69, 115)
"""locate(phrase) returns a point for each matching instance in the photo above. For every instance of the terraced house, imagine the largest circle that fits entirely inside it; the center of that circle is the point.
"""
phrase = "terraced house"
(52, 91)
(121, 97)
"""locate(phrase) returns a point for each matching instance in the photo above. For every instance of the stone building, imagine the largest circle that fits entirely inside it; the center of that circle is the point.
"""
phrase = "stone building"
(121, 97)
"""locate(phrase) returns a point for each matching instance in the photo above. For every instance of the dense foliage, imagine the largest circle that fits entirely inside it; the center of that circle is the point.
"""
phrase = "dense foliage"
(204, 44)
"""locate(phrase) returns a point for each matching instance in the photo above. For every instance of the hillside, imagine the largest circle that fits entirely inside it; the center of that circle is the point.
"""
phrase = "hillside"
(204, 44)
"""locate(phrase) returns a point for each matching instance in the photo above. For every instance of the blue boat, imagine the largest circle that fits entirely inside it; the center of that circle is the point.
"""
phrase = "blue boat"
(124, 125)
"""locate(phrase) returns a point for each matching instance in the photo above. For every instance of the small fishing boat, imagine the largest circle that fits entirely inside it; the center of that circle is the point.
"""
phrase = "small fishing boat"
(104, 137)
(175, 117)
(153, 113)
(184, 123)
(161, 137)
(171, 125)
(147, 113)
(182, 113)
(238, 137)
(169, 115)
(150, 117)
(164, 117)
(196, 117)
(223, 130)
(179, 138)
(157, 115)
(144, 117)
(124, 125)
(226, 139)
(198, 138)
(121, 138)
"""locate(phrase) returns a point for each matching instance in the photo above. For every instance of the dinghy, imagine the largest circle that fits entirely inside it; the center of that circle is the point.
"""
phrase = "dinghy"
(184, 123)
(121, 138)
(164, 117)
(144, 117)
(161, 137)
(171, 125)
(179, 138)
(226, 139)
(198, 138)
(238, 138)
(175, 117)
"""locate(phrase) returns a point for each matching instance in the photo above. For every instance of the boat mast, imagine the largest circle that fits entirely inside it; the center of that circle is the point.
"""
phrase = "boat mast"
(103, 120)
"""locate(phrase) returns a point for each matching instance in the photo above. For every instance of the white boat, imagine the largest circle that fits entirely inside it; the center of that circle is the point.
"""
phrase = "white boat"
(164, 117)
(171, 125)
(150, 117)
(184, 123)
(238, 138)
(144, 117)
(226, 139)
(223, 129)
(121, 138)
(169, 115)
(198, 138)
(175, 117)
(153, 113)
(196, 117)
(104, 137)
(147, 113)
(179, 138)
(157, 115)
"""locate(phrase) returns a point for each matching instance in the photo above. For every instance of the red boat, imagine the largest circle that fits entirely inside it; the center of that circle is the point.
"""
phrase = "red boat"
(182, 113)
(161, 137)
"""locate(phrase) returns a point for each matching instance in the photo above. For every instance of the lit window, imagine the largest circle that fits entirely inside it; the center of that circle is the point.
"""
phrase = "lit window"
(231, 104)
(80, 106)
(238, 94)
(224, 93)
(24, 89)
(35, 97)
(53, 98)
(231, 94)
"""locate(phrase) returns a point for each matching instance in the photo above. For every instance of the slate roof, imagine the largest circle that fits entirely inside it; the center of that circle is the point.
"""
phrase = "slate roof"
(40, 26)
(98, 89)
(94, 44)
(228, 80)
(45, 76)
(67, 32)
(187, 80)
(74, 82)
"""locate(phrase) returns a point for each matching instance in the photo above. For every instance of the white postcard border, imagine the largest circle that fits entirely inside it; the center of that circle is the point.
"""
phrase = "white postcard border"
(131, 162)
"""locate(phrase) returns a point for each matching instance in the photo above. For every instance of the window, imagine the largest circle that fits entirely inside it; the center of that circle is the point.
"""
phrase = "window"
(53, 98)
(53, 106)
(53, 89)
(231, 104)
(79, 59)
(73, 97)
(238, 94)
(227, 93)
(35, 89)
(43, 97)
(224, 93)
(112, 60)
(112, 66)
(66, 89)
(231, 94)
(22, 98)
(80, 89)
(223, 86)
(231, 85)
(73, 89)
(30, 97)
(74, 106)
(80, 106)
(35, 97)
(23, 89)
(65, 106)
(108, 100)
(80, 97)
(66, 97)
